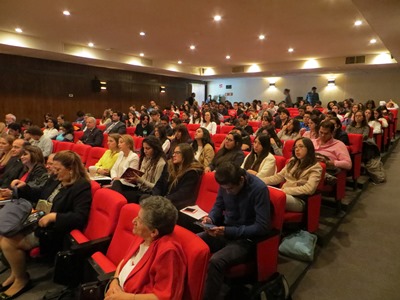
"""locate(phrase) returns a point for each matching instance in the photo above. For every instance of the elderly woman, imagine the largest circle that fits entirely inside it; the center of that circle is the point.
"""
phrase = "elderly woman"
(155, 265)
(67, 200)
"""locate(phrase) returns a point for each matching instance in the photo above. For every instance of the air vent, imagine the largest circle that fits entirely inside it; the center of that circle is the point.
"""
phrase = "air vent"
(355, 60)
(239, 69)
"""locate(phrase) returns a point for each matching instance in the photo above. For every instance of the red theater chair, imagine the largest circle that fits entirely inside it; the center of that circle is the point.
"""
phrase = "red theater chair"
(310, 217)
(218, 139)
(78, 135)
(138, 140)
(101, 127)
(94, 155)
(266, 262)
(105, 140)
(82, 150)
(355, 150)
(55, 145)
(207, 192)
(280, 162)
(130, 130)
(287, 148)
(64, 146)
(192, 127)
(226, 129)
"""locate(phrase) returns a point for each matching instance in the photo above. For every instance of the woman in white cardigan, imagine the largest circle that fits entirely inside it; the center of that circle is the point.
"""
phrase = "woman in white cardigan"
(260, 161)
(208, 123)
(126, 159)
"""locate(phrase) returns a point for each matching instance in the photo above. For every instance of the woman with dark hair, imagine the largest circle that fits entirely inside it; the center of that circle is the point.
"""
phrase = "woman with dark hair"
(301, 175)
(290, 131)
(381, 114)
(160, 132)
(246, 141)
(370, 118)
(260, 162)
(106, 117)
(331, 104)
(66, 133)
(185, 117)
(203, 147)
(34, 172)
(183, 178)
(283, 119)
(51, 129)
(230, 151)
(314, 127)
(181, 136)
(370, 104)
(338, 133)
(68, 201)
(359, 125)
(132, 120)
(276, 143)
(208, 122)
(195, 117)
(349, 117)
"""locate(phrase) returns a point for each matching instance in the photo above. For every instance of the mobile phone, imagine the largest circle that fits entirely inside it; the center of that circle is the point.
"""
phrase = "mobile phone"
(189, 209)
(205, 225)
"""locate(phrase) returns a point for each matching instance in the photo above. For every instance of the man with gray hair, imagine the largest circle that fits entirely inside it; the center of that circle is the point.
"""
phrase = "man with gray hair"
(10, 118)
(92, 136)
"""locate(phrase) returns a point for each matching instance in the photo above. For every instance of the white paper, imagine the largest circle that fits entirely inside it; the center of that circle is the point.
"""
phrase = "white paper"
(197, 214)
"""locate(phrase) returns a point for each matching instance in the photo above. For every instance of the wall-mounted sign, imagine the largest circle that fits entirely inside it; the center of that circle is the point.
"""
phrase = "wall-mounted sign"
(228, 94)
(229, 87)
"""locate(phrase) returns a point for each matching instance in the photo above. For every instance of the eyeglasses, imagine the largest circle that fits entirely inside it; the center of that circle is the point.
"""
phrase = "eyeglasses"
(176, 153)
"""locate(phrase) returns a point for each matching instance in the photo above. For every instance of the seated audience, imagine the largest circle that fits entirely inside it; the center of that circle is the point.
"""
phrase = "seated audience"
(3, 129)
(144, 128)
(126, 159)
(313, 123)
(107, 161)
(243, 123)
(116, 126)
(183, 177)
(14, 129)
(160, 132)
(203, 147)
(359, 125)
(185, 117)
(339, 134)
(378, 114)
(181, 136)
(241, 214)
(162, 262)
(14, 166)
(370, 118)
(69, 201)
(65, 133)
(51, 129)
(209, 123)
(246, 141)
(301, 175)
(106, 117)
(195, 117)
(6, 142)
(260, 161)
(33, 173)
(290, 131)
(92, 135)
(132, 120)
(40, 140)
(276, 143)
(230, 151)
(282, 118)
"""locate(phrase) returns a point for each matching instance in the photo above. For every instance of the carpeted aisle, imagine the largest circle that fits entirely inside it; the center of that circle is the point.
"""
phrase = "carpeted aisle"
(362, 259)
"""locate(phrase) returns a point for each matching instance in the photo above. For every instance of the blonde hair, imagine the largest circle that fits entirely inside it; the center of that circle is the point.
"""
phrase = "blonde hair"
(128, 140)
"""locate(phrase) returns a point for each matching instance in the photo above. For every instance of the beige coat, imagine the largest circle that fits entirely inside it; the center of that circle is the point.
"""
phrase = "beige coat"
(206, 155)
(306, 185)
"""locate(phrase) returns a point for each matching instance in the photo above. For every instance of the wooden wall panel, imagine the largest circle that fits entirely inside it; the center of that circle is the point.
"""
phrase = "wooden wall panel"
(31, 87)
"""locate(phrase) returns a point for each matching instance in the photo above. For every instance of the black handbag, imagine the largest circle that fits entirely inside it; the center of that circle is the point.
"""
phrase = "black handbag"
(93, 290)
(276, 288)
(67, 269)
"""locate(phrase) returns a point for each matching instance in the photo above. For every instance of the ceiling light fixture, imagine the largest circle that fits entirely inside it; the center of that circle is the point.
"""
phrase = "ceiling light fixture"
(192, 47)
(261, 37)
(66, 13)
(141, 54)
(372, 41)
(142, 33)
(358, 23)
(90, 44)
(217, 18)
(290, 50)
(179, 62)
(228, 57)
(331, 82)
(19, 30)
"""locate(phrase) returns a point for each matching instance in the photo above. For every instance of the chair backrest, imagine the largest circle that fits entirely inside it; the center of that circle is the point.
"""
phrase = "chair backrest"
(192, 127)
(78, 135)
(123, 236)
(280, 162)
(94, 186)
(287, 149)
(138, 140)
(101, 127)
(278, 201)
(105, 140)
(130, 130)
(94, 156)
(356, 143)
(226, 129)
(197, 255)
(104, 213)
(55, 145)
(256, 124)
(218, 139)
(207, 192)
(64, 146)
(82, 150)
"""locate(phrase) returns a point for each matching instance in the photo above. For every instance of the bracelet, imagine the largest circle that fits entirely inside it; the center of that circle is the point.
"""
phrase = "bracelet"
(114, 278)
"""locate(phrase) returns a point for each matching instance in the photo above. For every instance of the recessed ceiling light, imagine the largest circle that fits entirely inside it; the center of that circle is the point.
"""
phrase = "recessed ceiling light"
(66, 13)
(192, 47)
(217, 18)
(372, 41)
(358, 23)
(142, 33)
(90, 44)
(19, 30)
(228, 57)
(179, 62)
(261, 37)
(290, 50)
(141, 54)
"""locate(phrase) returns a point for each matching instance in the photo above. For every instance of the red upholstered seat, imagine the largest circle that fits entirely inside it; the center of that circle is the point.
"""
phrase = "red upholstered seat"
(130, 130)
(94, 187)
(310, 217)
(355, 150)
(218, 139)
(82, 150)
(226, 129)
(207, 192)
(64, 146)
(101, 127)
(55, 145)
(192, 127)
(94, 155)
(288, 148)
(256, 124)
(280, 162)
(78, 135)
(266, 262)
(138, 140)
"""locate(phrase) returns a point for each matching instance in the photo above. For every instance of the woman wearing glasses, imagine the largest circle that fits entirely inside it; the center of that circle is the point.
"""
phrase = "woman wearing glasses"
(301, 175)
(230, 151)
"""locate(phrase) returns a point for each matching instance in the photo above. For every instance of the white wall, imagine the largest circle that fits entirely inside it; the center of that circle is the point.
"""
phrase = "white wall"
(382, 84)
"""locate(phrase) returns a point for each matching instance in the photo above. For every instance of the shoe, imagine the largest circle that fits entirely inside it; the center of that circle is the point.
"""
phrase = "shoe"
(27, 287)
(5, 287)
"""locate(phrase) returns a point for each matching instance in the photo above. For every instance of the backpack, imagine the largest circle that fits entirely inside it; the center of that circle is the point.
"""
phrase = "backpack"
(13, 215)
(375, 170)
(276, 288)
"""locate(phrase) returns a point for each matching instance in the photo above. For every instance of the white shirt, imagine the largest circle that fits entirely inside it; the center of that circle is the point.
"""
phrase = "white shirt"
(131, 264)
(211, 127)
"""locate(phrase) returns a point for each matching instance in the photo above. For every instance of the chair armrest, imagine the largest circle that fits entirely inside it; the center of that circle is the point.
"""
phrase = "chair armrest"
(267, 255)
(86, 249)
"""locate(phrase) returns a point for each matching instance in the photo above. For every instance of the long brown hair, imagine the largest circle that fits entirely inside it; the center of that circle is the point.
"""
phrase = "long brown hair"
(71, 161)
(308, 161)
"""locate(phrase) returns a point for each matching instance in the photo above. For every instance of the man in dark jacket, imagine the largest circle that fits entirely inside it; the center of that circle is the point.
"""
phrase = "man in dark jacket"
(92, 136)
(14, 166)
